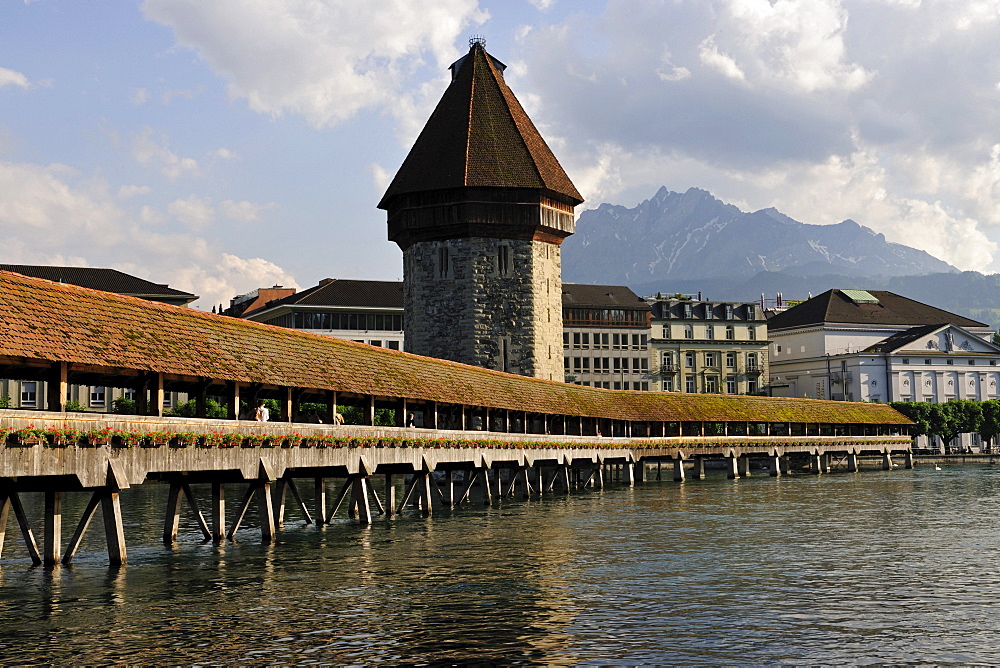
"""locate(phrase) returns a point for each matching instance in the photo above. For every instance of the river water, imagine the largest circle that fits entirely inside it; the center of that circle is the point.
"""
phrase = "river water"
(874, 567)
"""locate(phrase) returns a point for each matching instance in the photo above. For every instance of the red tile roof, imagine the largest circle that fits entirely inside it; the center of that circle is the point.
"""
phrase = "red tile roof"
(41, 320)
(480, 137)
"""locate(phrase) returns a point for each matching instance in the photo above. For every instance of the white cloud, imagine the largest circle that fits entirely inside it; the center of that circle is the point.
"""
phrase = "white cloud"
(244, 211)
(323, 60)
(381, 178)
(12, 78)
(47, 209)
(543, 5)
(140, 96)
(148, 149)
(720, 62)
(194, 212)
(126, 192)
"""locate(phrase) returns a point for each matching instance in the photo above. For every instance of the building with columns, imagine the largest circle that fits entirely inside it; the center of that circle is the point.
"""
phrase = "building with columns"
(856, 345)
(479, 208)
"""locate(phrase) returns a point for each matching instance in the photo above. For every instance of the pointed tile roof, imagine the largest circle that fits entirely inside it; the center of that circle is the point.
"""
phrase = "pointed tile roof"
(480, 137)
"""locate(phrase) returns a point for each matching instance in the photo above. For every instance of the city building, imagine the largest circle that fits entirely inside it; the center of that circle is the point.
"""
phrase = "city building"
(32, 394)
(706, 346)
(479, 208)
(605, 337)
(364, 311)
(858, 345)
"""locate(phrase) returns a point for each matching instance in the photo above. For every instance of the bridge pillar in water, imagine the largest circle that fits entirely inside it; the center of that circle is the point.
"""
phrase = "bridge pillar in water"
(629, 471)
(390, 496)
(886, 461)
(774, 464)
(52, 542)
(732, 468)
(743, 466)
(816, 464)
(852, 462)
(908, 459)
(698, 471)
(679, 469)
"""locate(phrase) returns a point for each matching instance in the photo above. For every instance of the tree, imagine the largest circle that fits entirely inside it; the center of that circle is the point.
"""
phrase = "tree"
(989, 428)
(213, 409)
(919, 412)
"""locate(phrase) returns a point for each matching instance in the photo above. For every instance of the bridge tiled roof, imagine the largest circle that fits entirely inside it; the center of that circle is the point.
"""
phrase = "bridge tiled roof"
(41, 320)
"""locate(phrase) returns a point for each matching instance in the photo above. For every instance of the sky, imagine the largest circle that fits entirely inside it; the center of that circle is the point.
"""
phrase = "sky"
(225, 145)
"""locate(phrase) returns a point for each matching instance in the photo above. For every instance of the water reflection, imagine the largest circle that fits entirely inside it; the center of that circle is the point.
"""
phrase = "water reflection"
(871, 567)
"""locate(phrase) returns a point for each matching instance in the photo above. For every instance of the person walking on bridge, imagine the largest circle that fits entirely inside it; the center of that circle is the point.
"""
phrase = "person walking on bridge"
(262, 415)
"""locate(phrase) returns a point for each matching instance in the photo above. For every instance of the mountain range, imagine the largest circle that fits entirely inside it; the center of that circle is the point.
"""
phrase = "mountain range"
(692, 242)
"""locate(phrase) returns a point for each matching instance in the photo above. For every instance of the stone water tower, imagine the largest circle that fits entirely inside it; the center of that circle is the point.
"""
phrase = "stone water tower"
(479, 208)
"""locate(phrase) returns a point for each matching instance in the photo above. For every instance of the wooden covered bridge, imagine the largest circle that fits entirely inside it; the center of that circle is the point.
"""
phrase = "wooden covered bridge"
(502, 432)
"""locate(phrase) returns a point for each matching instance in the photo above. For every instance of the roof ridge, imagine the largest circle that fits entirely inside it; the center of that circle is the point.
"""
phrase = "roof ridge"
(505, 95)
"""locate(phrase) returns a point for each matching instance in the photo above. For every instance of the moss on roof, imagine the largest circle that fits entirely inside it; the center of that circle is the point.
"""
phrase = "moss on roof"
(42, 320)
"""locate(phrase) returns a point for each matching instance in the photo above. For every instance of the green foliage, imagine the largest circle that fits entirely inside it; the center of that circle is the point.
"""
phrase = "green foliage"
(123, 406)
(989, 428)
(75, 407)
(384, 417)
(213, 409)
(4, 401)
(948, 420)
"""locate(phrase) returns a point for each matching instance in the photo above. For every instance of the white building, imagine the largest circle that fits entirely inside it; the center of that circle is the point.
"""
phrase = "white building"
(857, 345)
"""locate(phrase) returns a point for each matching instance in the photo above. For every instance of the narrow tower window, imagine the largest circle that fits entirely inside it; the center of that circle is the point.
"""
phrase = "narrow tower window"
(503, 259)
(444, 262)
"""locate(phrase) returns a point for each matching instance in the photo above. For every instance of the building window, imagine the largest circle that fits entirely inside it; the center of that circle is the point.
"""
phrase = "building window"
(602, 341)
(972, 362)
(729, 311)
(668, 361)
(751, 386)
(29, 394)
(777, 349)
(708, 312)
(129, 393)
(950, 362)
(709, 332)
(444, 262)
(618, 385)
(752, 334)
(639, 341)
(730, 332)
(688, 314)
(97, 396)
(689, 359)
(668, 384)
(688, 332)
(906, 360)
(711, 384)
(751, 312)
(710, 359)
(751, 361)
(689, 385)
(927, 361)
(392, 345)
(730, 360)
(503, 259)
(730, 385)
(565, 340)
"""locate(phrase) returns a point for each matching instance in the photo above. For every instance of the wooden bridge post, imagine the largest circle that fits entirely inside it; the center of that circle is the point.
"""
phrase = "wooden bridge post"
(4, 511)
(114, 527)
(233, 400)
(743, 466)
(774, 463)
(359, 492)
(52, 543)
(172, 518)
(11, 499)
(320, 500)
(699, 468)
(908, 459)
(390, 496)
(679, 469)
(816, 463)
(449, 487)
(58, 387)
(218, 512)
(852, 462)
(629, 471)
(887, 461)
(732, 467)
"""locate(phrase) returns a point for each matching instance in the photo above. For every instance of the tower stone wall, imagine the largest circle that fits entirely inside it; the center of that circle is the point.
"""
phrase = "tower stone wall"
(464, 304)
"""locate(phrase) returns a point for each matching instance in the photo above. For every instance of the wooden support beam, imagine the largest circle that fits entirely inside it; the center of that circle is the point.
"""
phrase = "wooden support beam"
(390, 496)
(233, 400)
(320, 501)
(341, 495)
(57, 387)
(279, 503)
(52, 545)
(218, 512)
(25, 526)
(264, 511)
(172, 518)
(470, 480)
(288, 414)
(114, 527)
(426, 502)
(290, 484)
(157, 394)
(241, 512)
(329, 418)
(407, 493)
(81, 528)
(359, 497)
(4, 511)
(202, 524)
(378, 501)
(370, 411)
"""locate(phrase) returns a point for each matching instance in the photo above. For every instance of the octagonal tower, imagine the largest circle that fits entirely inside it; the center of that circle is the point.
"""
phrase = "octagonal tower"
(479, 208)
